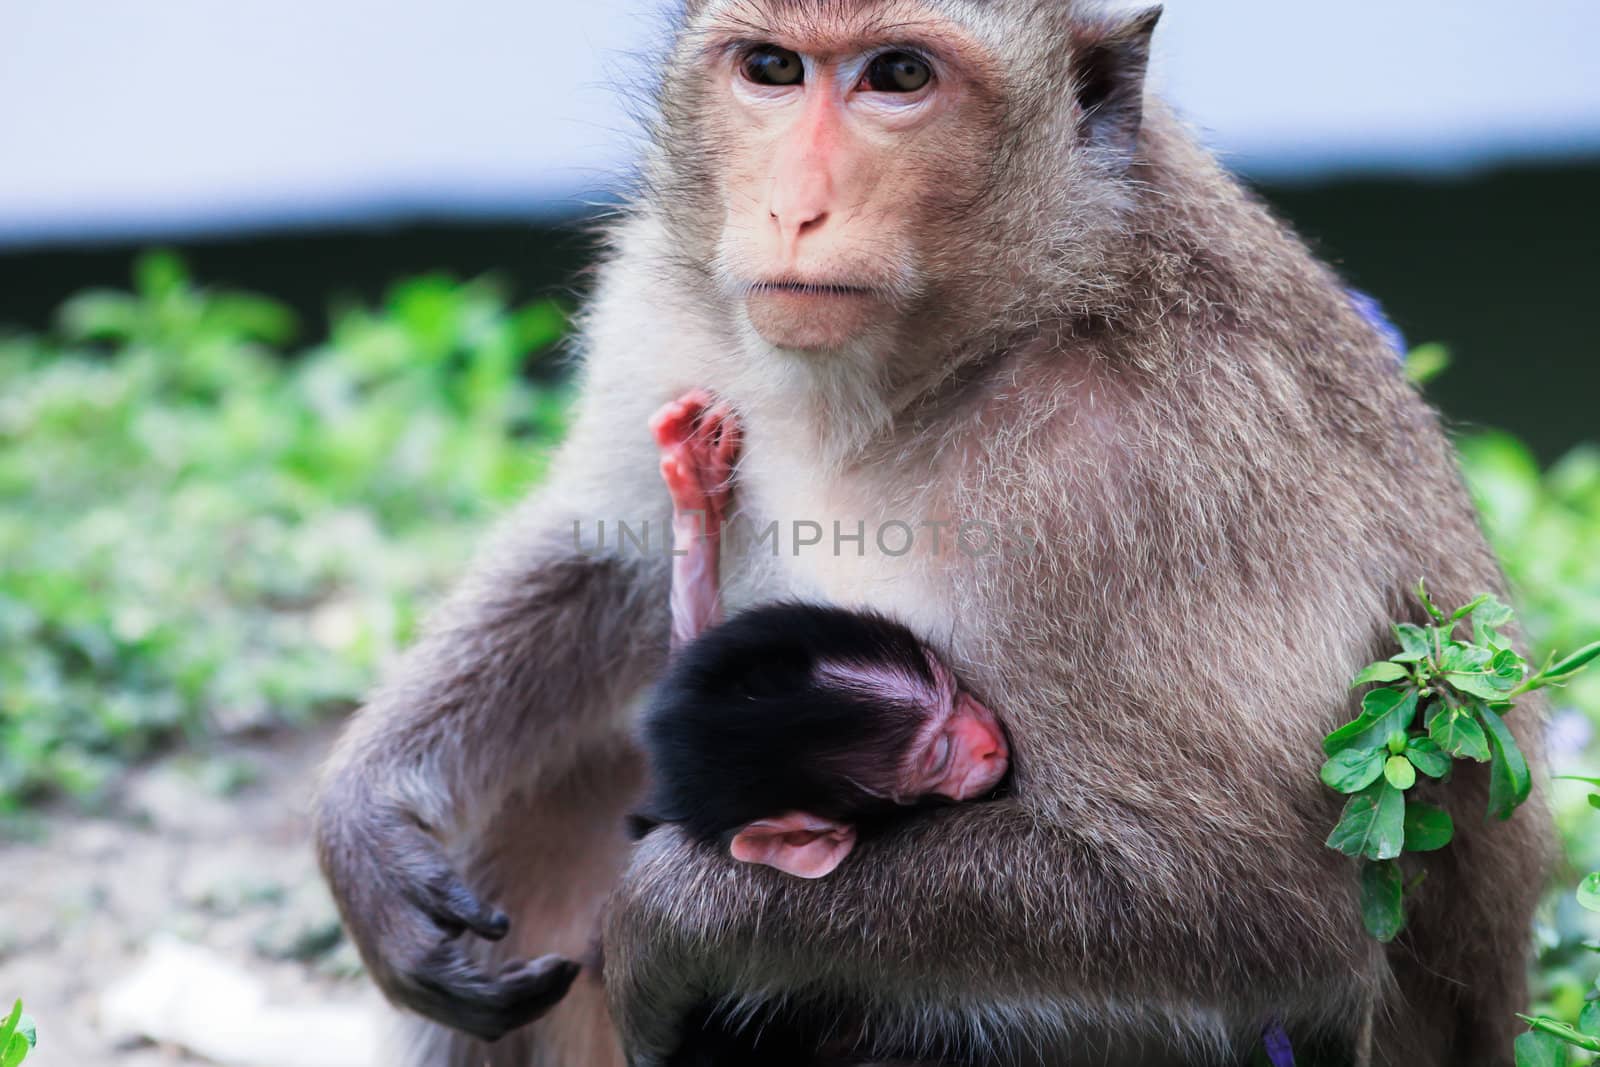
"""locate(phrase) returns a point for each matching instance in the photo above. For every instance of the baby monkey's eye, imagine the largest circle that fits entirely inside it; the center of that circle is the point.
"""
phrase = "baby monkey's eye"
(896, 72)
(770, 65)
(939, 756)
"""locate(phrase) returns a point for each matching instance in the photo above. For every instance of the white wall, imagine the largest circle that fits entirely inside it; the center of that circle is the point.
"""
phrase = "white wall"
(143, 117)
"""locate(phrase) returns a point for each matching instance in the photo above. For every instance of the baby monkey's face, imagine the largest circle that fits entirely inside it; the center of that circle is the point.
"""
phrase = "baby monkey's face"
(959, 753)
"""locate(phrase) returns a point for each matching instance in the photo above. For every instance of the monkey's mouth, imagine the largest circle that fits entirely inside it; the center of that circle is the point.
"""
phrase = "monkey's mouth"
(797, 313)
(790, 287)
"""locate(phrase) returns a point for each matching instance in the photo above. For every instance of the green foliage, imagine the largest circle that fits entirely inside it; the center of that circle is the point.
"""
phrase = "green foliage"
(1545, 525)
(18, 1037)
(1439, 698)
(1550, 1037)
(200, 530)
(1426, 362)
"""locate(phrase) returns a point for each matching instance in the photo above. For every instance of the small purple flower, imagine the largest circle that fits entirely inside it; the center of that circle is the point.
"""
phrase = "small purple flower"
(1568, 735)
(1372, 311)
(1276, 1043)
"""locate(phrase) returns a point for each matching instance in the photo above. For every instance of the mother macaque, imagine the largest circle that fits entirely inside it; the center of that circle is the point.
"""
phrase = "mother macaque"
(1020, 366)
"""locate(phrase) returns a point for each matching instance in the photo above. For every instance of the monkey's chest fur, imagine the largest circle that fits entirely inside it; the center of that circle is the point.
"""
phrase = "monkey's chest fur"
(1041, 562)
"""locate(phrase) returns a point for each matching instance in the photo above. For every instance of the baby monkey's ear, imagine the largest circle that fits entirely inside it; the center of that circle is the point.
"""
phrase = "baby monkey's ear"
(798, 844)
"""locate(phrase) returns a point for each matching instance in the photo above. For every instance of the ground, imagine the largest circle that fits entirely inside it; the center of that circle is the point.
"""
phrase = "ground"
(209, 852)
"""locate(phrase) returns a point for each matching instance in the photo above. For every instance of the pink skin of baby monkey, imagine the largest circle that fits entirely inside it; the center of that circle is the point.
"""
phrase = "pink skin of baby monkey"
(959, 753)
(699, 444)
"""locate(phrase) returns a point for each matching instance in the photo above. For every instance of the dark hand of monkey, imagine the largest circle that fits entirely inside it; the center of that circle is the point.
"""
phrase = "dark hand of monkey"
(453, 989)
(418, 911)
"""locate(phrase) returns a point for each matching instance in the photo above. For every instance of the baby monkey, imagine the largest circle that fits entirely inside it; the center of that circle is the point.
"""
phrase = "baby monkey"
(786, 730)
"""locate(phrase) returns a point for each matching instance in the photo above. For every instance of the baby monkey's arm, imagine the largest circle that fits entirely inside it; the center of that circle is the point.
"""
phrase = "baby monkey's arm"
(699, 441)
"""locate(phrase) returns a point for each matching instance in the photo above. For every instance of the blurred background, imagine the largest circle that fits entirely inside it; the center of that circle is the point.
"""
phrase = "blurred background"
(282, 287)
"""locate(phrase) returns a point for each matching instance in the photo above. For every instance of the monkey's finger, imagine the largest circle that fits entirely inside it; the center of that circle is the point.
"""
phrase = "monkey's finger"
(450, 987)
(675, 421)
(533, 988)
(457, 908)
(716, 423)
(729, 443)
(490, 1008)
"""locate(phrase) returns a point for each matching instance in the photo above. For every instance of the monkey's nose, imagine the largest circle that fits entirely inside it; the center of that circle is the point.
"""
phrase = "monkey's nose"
(987, 757)
(795, 222)
(799, 204)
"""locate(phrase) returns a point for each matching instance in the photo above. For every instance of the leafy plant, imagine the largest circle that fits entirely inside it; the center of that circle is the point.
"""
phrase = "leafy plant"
(1544, 525)
(204, 531)
(18, 1037)
(1441, 698)
(1548, 1039)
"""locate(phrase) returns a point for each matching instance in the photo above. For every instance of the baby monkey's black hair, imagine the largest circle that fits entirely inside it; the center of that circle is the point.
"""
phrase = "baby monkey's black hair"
(748, 724)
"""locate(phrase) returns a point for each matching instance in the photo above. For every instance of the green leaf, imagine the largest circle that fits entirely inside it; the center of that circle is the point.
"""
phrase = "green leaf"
(1373, 823)
(1487, 618)
(159, 272)
(1594, 800)
(1426, 756)
(1427, 601)
(1426, 362)
(16, 1050)
(1382, 671)
(1399, 772)
(1507, 664)
(1589, 1018)
(1539, 1049)
(1458, 733)
(1382, 904)
(1467, 609)
(1589, 891)
(1492, 612)
(1383, 711)
(98, 315)
(1414, 640)
(1509, 780)
(1465, 658)
(1427, 827)
(1575, 662)
(9, 1027)
(1392, 703)
(1353, 769)
(1479, 684)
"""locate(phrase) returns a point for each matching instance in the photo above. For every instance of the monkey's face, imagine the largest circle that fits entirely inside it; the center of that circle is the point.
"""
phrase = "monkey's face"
(959, 753)
(852, 142)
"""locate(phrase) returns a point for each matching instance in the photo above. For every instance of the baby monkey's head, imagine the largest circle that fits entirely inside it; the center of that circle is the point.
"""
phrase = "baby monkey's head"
(786, 729)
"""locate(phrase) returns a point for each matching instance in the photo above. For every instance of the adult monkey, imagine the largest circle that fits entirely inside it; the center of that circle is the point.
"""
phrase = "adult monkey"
(948, 268)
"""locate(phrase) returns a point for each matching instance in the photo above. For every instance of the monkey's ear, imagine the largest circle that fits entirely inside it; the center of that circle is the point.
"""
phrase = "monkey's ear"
(1110, 61)
(798, 844)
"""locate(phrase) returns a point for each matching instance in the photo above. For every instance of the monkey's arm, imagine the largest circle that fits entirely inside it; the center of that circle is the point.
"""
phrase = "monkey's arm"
(699, 442)
(483, 785)
(518, 689)
(985, 905)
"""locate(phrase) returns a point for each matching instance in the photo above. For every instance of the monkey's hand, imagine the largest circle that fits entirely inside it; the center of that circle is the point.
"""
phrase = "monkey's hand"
(417, 921)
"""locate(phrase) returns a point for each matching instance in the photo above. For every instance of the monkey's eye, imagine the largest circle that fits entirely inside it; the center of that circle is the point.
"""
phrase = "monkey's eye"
(896, 72)
(771, 65)
(939, 756)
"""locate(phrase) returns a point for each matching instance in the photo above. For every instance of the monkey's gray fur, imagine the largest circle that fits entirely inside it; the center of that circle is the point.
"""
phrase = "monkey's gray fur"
(1233, 491)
